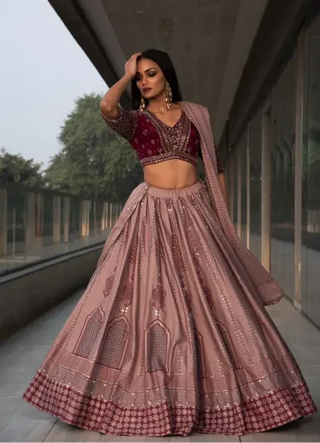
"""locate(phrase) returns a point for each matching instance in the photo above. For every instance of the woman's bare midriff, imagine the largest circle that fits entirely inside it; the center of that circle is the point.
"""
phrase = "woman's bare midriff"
(170, 174)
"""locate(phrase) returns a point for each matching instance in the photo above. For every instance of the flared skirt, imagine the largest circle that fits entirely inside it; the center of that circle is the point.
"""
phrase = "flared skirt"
(169, 336)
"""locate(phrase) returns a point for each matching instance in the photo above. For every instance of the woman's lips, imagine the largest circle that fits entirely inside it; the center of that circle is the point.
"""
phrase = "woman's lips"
(146, 89)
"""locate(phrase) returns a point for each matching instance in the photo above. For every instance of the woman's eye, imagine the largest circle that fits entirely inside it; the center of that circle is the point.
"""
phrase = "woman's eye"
(152, 74)
(137, 78)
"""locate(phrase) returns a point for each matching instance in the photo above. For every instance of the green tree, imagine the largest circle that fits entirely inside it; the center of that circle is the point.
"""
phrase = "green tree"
(93, 160)
(17, 169)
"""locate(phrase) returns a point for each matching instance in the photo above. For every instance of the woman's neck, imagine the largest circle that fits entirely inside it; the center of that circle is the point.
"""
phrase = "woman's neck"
(157, 105)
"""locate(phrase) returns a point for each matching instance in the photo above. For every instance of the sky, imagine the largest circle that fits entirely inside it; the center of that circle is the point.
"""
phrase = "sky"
(43, 71)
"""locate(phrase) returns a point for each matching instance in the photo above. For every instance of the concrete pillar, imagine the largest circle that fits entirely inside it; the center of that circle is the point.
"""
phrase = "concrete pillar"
(227, 177)
(98, 215)
(66, 219)
(85, 217)
(298, 169)
(108, 216)
(266, 192)
(56, 219)
(248, 185)
(94, 217)
(3, 222)
(103, 218)
(30, 222)
(111, 215)
(39, 217)
(239, 193)
(232, 180)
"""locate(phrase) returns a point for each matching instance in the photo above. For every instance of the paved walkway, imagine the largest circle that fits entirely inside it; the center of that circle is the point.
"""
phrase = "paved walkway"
(22, 354)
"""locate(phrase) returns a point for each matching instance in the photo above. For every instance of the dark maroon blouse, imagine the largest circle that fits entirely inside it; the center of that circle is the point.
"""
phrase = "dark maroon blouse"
(154, 141)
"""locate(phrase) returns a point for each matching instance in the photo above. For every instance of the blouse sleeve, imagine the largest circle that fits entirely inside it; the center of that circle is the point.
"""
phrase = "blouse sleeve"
(124, 124)
(219, 161)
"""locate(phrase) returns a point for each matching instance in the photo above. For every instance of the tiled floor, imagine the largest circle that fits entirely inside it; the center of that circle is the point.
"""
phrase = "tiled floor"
(22, 354)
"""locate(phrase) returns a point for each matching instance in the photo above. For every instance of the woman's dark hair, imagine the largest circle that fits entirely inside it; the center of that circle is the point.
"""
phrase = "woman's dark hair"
(163, 60)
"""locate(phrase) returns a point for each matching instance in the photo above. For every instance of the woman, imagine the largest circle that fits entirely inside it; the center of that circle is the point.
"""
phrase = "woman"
(171, 335)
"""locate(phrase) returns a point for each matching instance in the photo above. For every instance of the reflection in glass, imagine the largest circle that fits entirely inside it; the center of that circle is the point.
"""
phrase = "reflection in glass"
(16, 226)
(282, 192)
(234, 184)
(243, 160)
(310, 265)
(255, 185)
(35, 225)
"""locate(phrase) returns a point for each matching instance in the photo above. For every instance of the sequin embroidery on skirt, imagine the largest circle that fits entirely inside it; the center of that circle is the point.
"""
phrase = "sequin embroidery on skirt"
(169, 337)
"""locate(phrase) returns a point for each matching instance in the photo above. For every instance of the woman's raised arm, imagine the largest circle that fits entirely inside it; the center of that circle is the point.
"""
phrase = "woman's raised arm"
(110, 101)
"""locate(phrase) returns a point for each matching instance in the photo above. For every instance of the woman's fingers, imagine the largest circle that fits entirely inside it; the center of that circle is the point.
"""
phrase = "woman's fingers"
(136, 55)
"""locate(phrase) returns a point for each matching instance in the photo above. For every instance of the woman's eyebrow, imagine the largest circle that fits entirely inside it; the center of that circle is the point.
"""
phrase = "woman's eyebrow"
(149, 69)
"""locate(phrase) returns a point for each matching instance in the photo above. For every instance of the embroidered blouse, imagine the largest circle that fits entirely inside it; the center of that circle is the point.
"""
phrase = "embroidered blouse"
(154, 141)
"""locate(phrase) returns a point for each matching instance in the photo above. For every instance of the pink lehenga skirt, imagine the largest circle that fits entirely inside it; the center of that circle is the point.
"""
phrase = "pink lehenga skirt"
(169, 337)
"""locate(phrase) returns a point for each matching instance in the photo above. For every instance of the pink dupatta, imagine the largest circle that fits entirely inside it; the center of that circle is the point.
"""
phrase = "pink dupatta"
(268, 291)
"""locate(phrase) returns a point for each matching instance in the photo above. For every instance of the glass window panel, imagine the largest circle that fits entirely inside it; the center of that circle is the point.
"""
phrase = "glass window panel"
(310, 265)
(282, 192)
(243, 160)
(255, 185)
(28, 232)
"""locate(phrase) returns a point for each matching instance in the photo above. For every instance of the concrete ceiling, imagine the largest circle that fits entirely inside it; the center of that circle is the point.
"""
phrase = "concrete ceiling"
(209, 41)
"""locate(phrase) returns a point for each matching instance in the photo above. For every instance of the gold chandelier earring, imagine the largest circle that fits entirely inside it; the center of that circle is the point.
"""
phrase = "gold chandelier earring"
(142, 104)
(168, 96)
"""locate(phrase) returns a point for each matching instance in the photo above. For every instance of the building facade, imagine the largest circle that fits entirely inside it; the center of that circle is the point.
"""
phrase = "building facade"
(273, 174)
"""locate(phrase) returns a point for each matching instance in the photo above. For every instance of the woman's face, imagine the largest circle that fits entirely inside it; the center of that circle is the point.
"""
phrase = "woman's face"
(149, 78)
